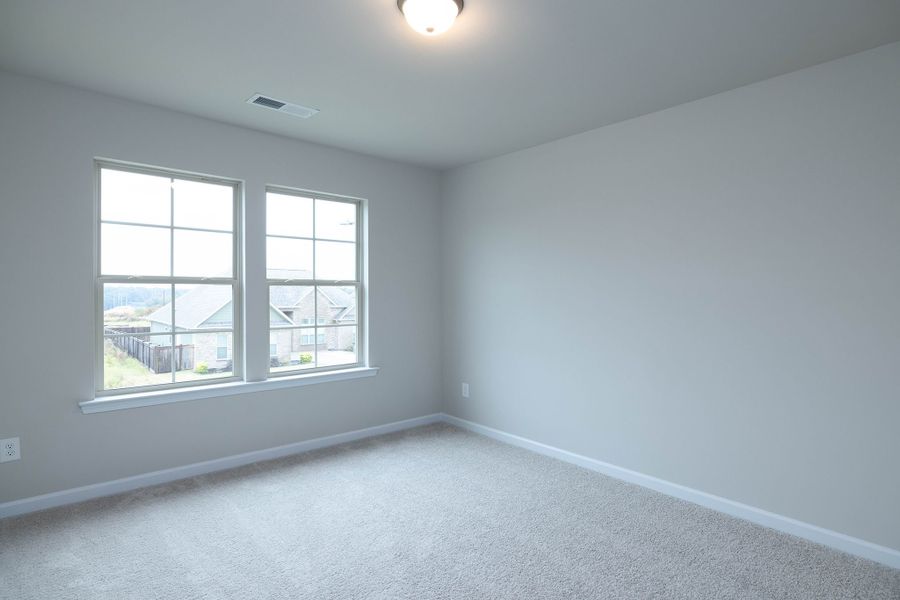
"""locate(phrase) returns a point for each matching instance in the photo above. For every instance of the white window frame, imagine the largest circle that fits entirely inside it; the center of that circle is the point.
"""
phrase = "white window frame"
(359, 283)
(248, 374)
(234, 281)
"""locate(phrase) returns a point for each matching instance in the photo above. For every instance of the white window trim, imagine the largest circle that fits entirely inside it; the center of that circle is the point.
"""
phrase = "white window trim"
(169, 396)
(236, 281)
(361, 283)
(113, 400)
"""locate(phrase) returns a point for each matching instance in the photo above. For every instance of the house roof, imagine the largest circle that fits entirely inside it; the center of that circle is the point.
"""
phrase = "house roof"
(195, 307)
(341, 298)
(285, 297)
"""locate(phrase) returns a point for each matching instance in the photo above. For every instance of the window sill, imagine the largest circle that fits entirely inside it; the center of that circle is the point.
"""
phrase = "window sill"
(126, 401)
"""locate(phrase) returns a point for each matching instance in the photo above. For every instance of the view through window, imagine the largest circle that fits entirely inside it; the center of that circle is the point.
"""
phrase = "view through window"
(168, 279)
(313, 266)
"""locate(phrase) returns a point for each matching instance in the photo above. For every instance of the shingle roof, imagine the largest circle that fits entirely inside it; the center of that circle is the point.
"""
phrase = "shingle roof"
(341, 298)
(195, 307)
(286, 296)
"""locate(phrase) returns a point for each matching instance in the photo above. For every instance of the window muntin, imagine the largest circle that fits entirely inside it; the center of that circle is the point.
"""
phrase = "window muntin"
(314, 264)
(167, 281)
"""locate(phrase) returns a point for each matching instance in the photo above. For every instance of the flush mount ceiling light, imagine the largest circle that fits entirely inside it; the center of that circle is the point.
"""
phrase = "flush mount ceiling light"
(430, 17)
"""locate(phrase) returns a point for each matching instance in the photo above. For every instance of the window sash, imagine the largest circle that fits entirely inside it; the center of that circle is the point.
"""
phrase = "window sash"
(315, 282)
(234, 281)
(237, 328)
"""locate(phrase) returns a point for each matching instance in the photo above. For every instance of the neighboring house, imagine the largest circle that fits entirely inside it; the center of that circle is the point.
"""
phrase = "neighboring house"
(205, 307)
(332, 306)
(209, 307)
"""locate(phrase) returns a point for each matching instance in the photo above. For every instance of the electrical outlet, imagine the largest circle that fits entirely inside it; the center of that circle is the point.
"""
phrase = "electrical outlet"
(465, 390)
(9, 450)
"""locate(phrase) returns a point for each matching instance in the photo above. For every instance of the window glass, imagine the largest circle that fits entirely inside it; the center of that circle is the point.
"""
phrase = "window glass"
(135, 251)
(335, 220)
(153, 314)
(203, 205)
(135, 198)
(315, 321)
(289, 215)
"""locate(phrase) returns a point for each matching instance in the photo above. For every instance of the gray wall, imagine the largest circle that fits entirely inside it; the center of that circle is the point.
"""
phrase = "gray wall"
(730, 270)
(50, 135)
(707, 294)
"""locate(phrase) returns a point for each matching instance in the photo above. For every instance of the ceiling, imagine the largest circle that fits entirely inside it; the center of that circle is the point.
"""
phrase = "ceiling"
(510, 74)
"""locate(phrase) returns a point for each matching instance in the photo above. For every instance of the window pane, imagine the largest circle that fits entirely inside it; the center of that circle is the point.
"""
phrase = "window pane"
(337, 305)
(338, 346)
(336, 261)
(203, 307)
(289, 215)
(137, 360)
(135, 198)
(335, 220)
(203, 254)
(289, 259)
(204, 205)
(273, 345)
(291, 305)
(133, 308)
(295, 350)
(130, 250)
(208, 356)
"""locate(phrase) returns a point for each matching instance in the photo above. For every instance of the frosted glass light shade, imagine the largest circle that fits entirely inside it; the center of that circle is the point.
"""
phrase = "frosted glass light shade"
(430, 17)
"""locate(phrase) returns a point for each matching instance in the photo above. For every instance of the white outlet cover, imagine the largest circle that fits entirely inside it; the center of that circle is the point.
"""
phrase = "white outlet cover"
(9, 450)
(465, 390)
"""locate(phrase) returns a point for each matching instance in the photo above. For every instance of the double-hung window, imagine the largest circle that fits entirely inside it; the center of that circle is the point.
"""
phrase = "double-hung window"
(168, 285)
(169, 292)
(314, 268)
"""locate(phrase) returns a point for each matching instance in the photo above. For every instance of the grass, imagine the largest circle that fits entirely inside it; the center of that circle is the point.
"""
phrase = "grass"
(122, 371)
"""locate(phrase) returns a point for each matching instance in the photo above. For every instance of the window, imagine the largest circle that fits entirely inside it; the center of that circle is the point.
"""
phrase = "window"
(168, 279)
(311, 321)
(309, 339)
(314, 264)
(222, 346)
(168, 285)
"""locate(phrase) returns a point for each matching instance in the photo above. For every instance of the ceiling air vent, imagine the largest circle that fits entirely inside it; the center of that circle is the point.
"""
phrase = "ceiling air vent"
(286, 107)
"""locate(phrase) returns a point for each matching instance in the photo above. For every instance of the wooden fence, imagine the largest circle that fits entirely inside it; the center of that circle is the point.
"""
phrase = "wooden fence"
(156, 357)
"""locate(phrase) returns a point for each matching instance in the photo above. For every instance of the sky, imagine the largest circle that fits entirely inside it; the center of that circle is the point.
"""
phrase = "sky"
(145, 217)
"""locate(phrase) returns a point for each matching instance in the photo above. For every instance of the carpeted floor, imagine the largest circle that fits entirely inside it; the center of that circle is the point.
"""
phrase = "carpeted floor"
(434, 512)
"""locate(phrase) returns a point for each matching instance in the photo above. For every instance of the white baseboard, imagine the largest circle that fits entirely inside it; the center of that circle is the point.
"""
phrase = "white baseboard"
(108, 488)
(813, 533)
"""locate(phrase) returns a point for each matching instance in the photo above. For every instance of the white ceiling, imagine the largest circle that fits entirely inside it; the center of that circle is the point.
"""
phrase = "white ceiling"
(510, 74)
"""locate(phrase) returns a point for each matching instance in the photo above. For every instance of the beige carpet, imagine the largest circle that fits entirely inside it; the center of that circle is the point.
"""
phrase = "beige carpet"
(429, 513)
